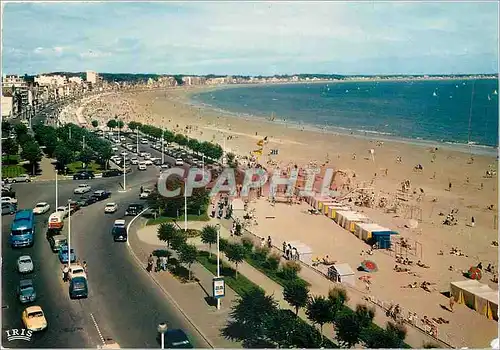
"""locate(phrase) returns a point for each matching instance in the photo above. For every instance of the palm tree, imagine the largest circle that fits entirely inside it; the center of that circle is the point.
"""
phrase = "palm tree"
(166, 232)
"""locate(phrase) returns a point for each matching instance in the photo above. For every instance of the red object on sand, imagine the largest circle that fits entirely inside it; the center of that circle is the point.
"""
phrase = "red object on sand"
(475, 273)
(369, 266)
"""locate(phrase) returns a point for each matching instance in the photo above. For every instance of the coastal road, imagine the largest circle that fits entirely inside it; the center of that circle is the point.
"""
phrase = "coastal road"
(124, 303)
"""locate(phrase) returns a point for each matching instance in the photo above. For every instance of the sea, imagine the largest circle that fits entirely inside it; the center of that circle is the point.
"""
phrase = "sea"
(456, 113)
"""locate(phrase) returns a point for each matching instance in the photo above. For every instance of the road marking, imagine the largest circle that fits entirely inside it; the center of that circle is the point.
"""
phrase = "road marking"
(98, 330)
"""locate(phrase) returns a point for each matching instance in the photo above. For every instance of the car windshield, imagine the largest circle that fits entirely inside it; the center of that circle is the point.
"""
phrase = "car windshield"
(117, 230)
(110, 205)
(27, 288)
(21, 232)
(41, 205)
(35, 314)
(25, 261)
(77, 270)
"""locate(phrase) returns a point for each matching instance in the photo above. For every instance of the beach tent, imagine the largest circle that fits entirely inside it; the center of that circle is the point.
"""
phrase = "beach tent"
(374, 234)
(305, 252)
(237, 204)
(352, 217)
(333, 209)
(477, 296)
(339, 216)
(342, 273)
(319, 200)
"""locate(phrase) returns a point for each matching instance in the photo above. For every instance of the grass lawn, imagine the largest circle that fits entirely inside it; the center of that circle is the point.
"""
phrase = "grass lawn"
(180, 219)
(239, 284)
(11, 160)
(272, 274)
(76, 166)
(12, 170)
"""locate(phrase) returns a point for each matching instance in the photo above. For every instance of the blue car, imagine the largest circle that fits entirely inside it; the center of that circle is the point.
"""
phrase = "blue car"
(63, 255)
(26, 291)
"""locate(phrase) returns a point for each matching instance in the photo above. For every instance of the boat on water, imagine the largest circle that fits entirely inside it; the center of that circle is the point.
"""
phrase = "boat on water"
(434, 94)
(495, 92)
(489, 97)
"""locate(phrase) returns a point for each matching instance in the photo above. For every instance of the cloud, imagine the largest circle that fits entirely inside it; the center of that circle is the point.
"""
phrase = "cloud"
(252, 38)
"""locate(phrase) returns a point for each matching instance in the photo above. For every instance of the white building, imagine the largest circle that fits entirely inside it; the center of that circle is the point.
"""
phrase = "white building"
(6, 106)
(49, 80)
(92, 77)
(76, 80)
(14, 80)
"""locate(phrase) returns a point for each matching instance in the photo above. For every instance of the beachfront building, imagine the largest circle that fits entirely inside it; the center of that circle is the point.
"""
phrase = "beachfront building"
(51, 80)
(166, 81)
(76, 80)
(92, 77)
(193, 80)
(18, 89)
(7, 104)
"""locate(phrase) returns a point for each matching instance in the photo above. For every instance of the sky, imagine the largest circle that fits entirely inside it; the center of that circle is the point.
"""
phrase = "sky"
(251, 38)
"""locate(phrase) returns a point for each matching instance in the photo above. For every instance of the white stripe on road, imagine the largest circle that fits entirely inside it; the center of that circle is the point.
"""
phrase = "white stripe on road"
(98, 330)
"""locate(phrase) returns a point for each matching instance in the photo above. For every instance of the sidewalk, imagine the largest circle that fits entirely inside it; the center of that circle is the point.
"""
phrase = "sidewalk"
(192, 299)
(320, 285)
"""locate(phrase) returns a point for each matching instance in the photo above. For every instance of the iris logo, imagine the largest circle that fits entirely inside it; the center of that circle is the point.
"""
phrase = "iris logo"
(19, 334)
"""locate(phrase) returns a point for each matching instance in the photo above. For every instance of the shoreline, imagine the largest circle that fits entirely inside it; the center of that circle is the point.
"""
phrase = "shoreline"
(370, 135)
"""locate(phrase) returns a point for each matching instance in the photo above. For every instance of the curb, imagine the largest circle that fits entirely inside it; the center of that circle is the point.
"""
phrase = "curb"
(169, 296)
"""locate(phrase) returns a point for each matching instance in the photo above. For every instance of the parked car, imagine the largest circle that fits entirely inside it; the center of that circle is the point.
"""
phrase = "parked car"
(57, 241)
(179, 162)
(134, 209)
(148, 162)
(112, 172)
(63, 254)
(83, 175)
(24, 264)
(177, 339)
(9, 200)
(78, 287)
(41, 208)
(26, 291)
(34, 319)
(83, 188)
(63, 209)
(8, 208)
(110, 208)
(101, 195)
(119, 231)
(134, 161)
(142, 166)
(76, 270)
(74, 205)
(20, 178)
(145, 193)
(85, 201)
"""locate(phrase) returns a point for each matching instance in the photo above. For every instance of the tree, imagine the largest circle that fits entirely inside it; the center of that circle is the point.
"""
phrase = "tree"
(111, 124)
(120, 124)
(231, 160)
(20, 129)
(389, 338)
(6, 127)
(10, 146)
(235, 253)
(280, 329)
(188, 255)
(32, 153)
(64, 155)
(133, 125)
(166, 232)
(178, 240)
(337, 296)
(296, 293)
(180, 139)
(95, 124)
(193, 144)
(350, 325)
(319, 311)
(209, 236)
(86, 156)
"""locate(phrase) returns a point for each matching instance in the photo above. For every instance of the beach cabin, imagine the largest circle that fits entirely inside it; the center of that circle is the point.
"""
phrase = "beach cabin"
(477, 296)
(349, 218)
(342, 273)
(333, 209)
(327, 205)
(374, 234)
(319, 200)
(305, 252)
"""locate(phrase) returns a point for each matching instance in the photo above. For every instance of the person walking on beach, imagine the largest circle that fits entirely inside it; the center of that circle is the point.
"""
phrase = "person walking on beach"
(149, 268)
(452, 303)
(472, 222)
(269, 242)
(262, 243)
(449, 186)
(213, 211)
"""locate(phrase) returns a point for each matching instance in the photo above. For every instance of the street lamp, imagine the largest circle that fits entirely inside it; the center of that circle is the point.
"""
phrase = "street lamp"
(83, 141)
(162, 329)
(162, 146)
(137, 140)
(69, 233)
(124, 177)
(218, 260)
(57, 190)
(185, 207)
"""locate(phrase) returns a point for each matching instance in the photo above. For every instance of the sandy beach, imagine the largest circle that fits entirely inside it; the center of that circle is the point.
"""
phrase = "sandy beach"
(449, 180)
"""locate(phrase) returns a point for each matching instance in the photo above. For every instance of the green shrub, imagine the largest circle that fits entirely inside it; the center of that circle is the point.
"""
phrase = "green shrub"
(248, 244)
(260, 254)
(290, 270)
(273, 262)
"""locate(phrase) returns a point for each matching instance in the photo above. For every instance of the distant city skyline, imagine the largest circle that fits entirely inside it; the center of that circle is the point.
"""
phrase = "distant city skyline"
(266, 38)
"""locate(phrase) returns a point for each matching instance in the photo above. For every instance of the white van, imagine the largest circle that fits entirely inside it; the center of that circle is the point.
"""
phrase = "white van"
(56, 220)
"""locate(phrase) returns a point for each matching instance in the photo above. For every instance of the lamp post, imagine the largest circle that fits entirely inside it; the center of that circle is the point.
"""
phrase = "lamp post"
(162, 329)
(185, 207)
(162, 146)
(203, 165)
(137, 140)
(218, 260)
(57, 190)
(124, 172)
(83, 141)
(69, 233)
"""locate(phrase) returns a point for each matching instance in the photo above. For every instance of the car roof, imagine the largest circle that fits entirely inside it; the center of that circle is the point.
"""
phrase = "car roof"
(59, 237)
(25, 257)
(33, 308)
(111, 203)
(119, 222)
(83, 185)
(26, 283)
(42, 203)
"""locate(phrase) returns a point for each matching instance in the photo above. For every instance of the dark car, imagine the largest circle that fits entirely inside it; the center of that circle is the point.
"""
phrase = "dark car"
(26, 291)
(119, 233)
(134, 209)
(176, 339)
(8, 208)
(101, 195)
(74, 205)
(86, 200)
(8, 193)
(57, 241)
(78, 287)
(112, 172)
(83, 175)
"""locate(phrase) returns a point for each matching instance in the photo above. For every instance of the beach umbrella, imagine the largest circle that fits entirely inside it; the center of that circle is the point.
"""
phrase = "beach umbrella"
(475, 273)
(369, 266)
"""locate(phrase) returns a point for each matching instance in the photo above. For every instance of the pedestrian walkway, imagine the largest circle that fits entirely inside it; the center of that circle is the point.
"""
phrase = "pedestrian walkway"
(320, 285)
(192, 299)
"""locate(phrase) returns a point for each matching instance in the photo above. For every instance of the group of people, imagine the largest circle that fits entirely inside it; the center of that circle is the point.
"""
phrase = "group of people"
(65, 270)
(291, 253)
(223, 208)
(161, 263)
